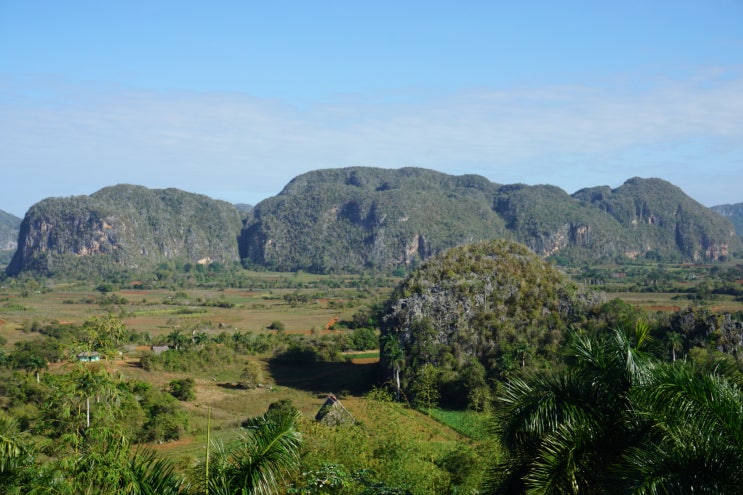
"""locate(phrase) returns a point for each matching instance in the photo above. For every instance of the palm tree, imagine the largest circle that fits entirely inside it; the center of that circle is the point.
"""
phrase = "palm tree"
(91, 381)
(104, 335)
(563, 430)
(34, 363)
(264, 456)
(107, 465)
(675, 342)
(15, 452)
(177, 339)
(200, 337)
(153, 475)
(614, 420)
(395, 357)
(522, 349)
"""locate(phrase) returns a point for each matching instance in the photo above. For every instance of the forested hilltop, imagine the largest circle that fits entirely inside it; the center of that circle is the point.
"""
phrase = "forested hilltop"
(362, 219)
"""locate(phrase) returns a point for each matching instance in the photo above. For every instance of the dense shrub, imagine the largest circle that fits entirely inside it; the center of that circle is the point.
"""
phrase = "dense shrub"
(183, 389)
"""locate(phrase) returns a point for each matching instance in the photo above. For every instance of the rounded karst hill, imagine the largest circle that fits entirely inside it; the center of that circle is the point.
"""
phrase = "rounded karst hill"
(124, 229)
(476, 313)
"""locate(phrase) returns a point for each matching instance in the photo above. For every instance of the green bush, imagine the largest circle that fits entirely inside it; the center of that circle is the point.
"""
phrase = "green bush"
(363, 339)
(277, 325)
(252, 375)
(183, 389)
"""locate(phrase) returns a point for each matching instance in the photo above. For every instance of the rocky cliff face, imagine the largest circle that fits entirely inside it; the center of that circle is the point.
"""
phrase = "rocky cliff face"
(125, 228)
(657, 217)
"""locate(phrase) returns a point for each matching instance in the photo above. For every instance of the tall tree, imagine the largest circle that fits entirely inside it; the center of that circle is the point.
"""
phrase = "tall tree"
(177, 339)
(91, 381)
(395, 356)
(675, 342)
(103, 335)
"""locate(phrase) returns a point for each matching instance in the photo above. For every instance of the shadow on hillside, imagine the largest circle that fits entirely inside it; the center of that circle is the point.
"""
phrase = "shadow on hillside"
(324, 378)
(231, 386)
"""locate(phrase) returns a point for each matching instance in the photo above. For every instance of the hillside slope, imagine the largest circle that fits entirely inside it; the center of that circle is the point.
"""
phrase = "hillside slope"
(125, 227)
(658, 218)
(9, 227)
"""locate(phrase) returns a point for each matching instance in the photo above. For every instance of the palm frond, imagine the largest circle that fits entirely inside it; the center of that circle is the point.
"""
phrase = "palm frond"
(271, 450)
(153, 475)
(567, 460)
(12, 445)
(696, 443)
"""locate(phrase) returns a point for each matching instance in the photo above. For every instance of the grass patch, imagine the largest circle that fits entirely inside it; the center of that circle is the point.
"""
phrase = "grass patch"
(159, 312)
(469, 423)
(10, 307)
(362, 355)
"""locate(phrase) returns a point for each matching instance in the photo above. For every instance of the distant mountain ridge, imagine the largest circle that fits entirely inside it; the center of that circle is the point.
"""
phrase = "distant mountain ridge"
(734, 213)
(339, 219)
(9, 226)
(357, 218)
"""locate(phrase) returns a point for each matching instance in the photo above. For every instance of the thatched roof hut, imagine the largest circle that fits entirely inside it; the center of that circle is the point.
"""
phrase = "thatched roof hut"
(333, 413)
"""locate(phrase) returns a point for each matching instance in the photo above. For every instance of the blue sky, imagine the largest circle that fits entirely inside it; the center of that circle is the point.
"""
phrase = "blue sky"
(234, 99)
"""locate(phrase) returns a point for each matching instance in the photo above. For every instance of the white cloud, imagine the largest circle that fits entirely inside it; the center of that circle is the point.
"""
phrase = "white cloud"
(60, 140)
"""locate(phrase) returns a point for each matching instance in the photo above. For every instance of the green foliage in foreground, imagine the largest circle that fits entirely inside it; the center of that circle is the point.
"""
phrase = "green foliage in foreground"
(260, 462)
(387, 452)
(615, 420)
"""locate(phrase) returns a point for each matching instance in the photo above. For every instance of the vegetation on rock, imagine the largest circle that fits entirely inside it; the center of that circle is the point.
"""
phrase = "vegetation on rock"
(361, 218)
(365, 219)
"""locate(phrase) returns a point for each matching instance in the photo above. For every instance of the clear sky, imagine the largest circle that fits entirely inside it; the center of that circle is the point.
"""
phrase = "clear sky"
(233, 99)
